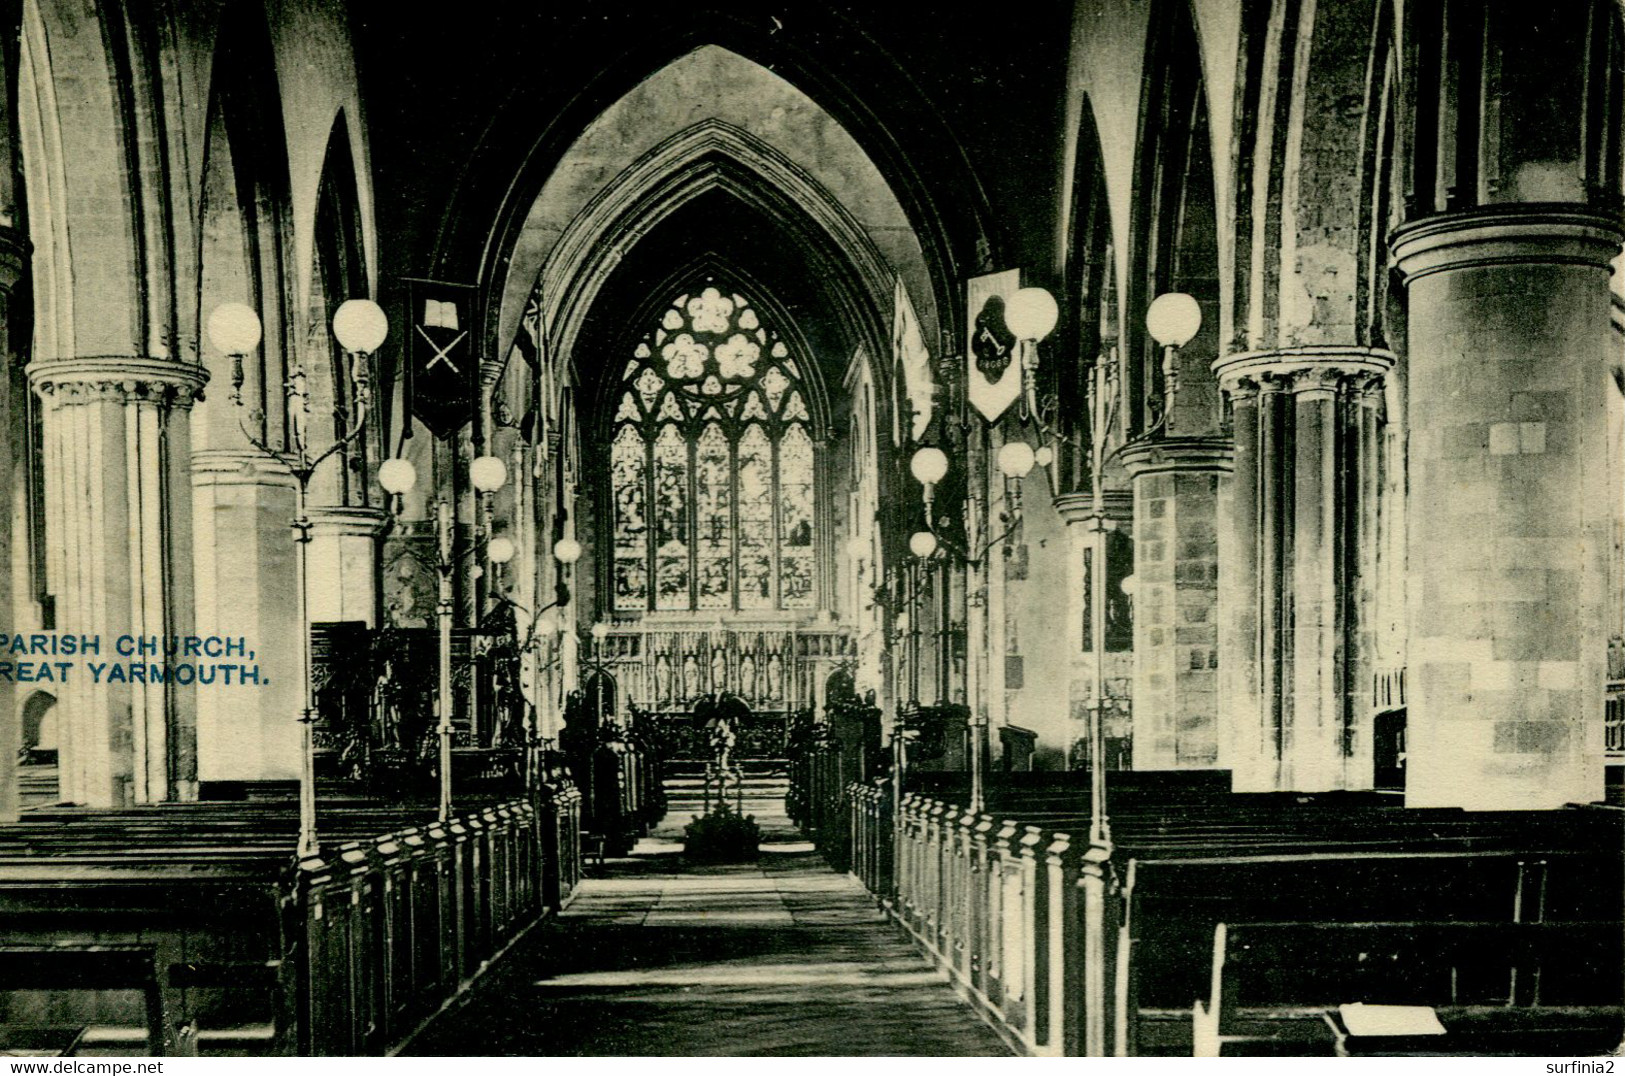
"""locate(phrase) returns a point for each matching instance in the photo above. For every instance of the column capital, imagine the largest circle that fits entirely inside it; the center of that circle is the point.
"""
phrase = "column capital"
(1510, 234)
(1076, 508)
(1319, 367)
(358, 521)
(119, 378)
(1188, 455)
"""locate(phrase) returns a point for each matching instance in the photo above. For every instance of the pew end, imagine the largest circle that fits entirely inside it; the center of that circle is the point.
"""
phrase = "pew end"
(1296, 987)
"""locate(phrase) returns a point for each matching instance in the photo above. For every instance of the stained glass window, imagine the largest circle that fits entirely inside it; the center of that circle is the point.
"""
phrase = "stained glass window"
(627, 465)
(713, 466)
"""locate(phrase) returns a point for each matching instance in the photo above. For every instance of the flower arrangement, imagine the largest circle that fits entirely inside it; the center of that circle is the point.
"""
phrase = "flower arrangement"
(723, 836)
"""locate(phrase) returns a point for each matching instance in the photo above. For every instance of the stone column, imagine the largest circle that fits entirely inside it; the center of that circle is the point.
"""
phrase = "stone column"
(343, 563)
(1297, 549)
(119, 531)
(243, 503)
(1176, 568)
(1509, 348)
(15, 543)
(1092, 663)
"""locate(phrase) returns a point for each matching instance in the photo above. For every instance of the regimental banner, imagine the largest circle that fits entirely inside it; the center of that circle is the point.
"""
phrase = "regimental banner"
(441, 354)
(992, 376)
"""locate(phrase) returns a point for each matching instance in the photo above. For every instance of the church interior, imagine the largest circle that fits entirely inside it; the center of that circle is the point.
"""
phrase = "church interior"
(1072, 530)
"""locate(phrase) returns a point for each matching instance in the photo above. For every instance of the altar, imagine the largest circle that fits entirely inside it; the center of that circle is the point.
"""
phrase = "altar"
(666, 674)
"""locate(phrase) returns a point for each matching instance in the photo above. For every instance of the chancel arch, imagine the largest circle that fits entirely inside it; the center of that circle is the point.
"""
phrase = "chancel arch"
(804, 235)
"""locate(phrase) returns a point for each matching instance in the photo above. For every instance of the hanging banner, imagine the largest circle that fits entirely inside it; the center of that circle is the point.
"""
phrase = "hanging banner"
(992, 376)
(911, 363)
(441, 354)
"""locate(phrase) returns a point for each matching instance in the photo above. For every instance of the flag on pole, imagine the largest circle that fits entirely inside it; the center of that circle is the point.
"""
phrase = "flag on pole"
(912, 364)
(531, 343)
(992, 376)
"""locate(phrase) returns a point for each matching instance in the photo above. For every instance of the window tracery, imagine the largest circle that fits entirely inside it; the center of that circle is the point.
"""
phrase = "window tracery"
(713, 465)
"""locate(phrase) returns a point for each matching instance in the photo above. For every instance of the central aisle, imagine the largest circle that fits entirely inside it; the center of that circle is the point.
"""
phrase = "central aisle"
(784, 957)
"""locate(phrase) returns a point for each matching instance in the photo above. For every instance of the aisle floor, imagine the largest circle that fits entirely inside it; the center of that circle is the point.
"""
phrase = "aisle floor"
(655, 957)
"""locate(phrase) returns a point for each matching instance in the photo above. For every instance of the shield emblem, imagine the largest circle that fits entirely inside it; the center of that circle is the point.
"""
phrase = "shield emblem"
(993, 377)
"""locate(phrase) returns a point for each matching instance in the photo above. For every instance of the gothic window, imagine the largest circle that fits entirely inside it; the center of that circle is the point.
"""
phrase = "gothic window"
(713, 467)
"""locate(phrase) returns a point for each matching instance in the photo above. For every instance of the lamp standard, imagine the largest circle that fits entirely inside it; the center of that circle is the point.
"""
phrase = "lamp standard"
(487, 474)
(923, 546)
(1173, 320)
(360, 327)
(929, 466)
(547, 628)
(599, 633)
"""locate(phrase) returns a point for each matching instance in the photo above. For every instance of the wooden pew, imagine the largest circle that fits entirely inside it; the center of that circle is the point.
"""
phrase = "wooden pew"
(243, 1010)
(1493, 988)
(91, 967)
(1002, 900)
(396, 917)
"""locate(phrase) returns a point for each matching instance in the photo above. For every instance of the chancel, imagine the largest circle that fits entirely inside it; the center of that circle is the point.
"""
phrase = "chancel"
(1089, 529)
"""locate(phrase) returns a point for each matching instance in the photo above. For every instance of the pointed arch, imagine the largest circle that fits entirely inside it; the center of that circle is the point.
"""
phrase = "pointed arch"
(707, 156)
(245, 224)
(90, 259)
(1091, 293)
(338, 271)
(1174, 225)
(894, 127)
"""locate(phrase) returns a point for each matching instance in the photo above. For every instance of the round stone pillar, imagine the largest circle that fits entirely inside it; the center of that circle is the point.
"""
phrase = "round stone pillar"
(1176, 571)
(14, 436)
(1088, 531)
(242, 504)
(119, 536)
(1296, 556)
(343, 563)
(1509, 349)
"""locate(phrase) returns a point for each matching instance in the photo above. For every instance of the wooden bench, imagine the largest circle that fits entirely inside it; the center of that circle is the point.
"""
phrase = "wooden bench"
(1469, 988)
(253, 989)
(91, 967)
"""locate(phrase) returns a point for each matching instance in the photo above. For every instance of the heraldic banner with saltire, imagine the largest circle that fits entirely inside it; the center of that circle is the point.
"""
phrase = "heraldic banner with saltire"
(441, 355)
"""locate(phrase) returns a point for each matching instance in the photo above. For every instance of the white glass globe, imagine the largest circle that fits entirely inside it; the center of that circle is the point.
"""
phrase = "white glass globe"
(1044, 455)
(360, 325)
(488, 474)
(922, 544)
(1031, 314)
(1127, 585)
(1173, 319)
(234, 329)
(500, 550)
(857, 547)
(566, 550)
(599, 631)
(397, 476)
(1016, 459)
(929, 465)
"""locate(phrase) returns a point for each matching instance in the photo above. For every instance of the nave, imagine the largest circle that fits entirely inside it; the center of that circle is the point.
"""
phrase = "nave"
(784, 957)
(1143, 483)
